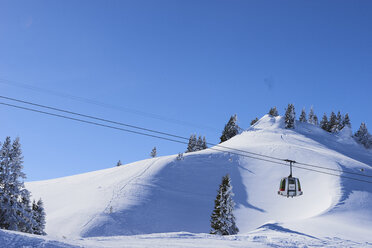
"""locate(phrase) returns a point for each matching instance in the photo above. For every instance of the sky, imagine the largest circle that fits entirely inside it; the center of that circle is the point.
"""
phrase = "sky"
(174, 66)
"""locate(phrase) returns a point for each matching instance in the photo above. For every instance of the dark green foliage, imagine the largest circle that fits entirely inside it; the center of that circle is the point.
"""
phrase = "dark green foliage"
(273, 112)
(39, 217)
(289, 117)
(303, 116)
(231, 129)
(222, 218)
(363, 137)
(324, 123)
(254, 121)
(332, 124)
(346, 121)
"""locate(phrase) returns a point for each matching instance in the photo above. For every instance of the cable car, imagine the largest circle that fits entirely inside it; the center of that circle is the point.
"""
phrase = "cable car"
(290, 186)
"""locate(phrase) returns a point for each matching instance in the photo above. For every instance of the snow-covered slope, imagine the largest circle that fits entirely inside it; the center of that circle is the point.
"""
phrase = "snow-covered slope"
(166, 195)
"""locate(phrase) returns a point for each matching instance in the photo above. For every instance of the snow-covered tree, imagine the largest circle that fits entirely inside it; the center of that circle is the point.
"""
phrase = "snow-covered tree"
(14, 197)
(204, 144)
(199, 144)
(303, 116)
(273, 112)
(313, 119)
(289, 117)
(118, 163)
(38, 214)
(340, 121)
(222, 218)
(332, 124)
(191, 147)
(346, 121)
(180, 156)
(254, 121)
(231, 129)
(153, 152)
(324, 123)
(363, 137)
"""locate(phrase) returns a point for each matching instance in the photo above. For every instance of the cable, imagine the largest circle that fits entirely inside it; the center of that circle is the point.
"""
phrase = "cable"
(105, 105)
(174, 136)
(168, 139)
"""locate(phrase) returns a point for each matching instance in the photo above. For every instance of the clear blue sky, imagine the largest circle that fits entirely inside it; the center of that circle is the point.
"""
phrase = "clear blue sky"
(193, 61)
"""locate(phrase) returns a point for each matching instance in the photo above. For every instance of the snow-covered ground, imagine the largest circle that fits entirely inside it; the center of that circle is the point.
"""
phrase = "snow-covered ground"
(162, 201)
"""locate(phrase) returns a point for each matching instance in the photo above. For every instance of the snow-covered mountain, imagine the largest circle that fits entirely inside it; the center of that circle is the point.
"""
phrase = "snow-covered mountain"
(163, 194)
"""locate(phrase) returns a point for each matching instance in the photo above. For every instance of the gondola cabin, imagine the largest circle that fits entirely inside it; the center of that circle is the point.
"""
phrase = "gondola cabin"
(290, 187)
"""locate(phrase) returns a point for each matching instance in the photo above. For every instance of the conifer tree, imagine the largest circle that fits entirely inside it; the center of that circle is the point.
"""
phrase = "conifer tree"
(118, 163)
(332, 124)
(199, 144)
(363, 137)
(14, 197)
(346, 121)
(191, 147)
(303, 116)
(38, 214)
(289, 117)
(315, 120)
(204, 145)
(311, 116)
(222, 218)
(340, 121)
(153, 152)
(231, 129)
(273, 112)
(180, 156)
(254, 121)
(324, 123)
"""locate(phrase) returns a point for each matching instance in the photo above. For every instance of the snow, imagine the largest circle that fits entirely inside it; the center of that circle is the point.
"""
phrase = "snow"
(163, 200)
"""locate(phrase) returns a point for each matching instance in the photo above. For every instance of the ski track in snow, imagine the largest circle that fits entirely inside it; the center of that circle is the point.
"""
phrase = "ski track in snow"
(116, 194)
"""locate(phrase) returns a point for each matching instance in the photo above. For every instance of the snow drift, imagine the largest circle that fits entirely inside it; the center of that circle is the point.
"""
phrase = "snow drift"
(166, 195)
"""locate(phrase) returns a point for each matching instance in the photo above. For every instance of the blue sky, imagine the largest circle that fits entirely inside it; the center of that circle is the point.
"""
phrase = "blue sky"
(195, 62)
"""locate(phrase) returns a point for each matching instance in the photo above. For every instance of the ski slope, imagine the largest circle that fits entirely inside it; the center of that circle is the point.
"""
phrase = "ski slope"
(162, 195)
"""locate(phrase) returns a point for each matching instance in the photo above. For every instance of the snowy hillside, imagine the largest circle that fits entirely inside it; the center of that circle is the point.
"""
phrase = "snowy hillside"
(162, 195)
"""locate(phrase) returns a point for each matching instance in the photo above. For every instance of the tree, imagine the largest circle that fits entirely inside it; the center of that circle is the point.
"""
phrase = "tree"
(204, 144)
(153, 152)
(346, 121)
(303, 116)
(199, 144)
(38, 214)
(254, 121)
(14, 197)
(340, 121)
(222, 218)
(363, 137)
(289, 117)
(180, 156)
(192, 143)
(118, 163)
(231, 129)
(324, 123)
(273, 112)
(332, 124)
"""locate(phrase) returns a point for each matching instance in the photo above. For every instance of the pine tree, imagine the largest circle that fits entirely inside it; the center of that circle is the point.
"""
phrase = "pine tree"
(324, 123)
(332, 125)
(303, 116)
(340, 121)
(289, 117)
(231, 129)
(346, 121)
(14, 198)
(315, 120)
(273, 112)
(38, 214)
(363, 137)
(199, 144)
(153, 152)
(180, 156)
(254, 121)
(222, 218)
(191, 147)
(311, 116)
(118, 163)
(204, 145)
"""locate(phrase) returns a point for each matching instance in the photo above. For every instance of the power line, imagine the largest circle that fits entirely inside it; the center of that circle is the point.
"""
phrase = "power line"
(173, 135)
(102, 104)
(168, 139)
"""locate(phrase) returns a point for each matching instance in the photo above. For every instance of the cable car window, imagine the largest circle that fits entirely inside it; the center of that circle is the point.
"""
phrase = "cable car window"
(299, 185)
(282, 185)
(291, 181)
